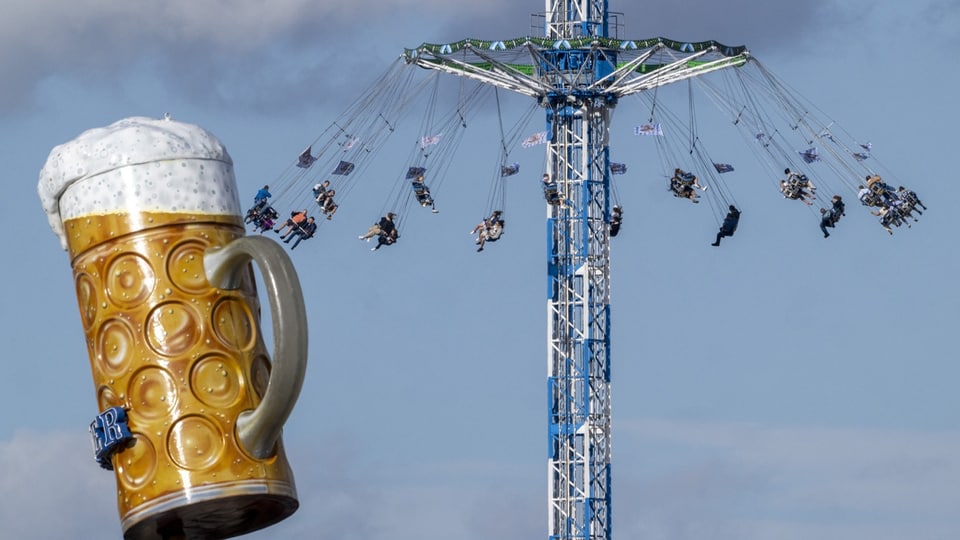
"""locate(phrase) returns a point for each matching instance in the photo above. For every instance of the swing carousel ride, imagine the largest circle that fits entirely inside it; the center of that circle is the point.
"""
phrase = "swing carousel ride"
(806, 156)
(578, 73)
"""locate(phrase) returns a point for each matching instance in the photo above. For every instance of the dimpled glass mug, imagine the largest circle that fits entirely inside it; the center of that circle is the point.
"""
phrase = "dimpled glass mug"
(191, 404)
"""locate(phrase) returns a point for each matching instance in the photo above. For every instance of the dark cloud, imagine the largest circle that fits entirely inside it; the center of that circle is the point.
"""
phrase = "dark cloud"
(300, 52)
(757, 24)
(308, 56)
(512, 19)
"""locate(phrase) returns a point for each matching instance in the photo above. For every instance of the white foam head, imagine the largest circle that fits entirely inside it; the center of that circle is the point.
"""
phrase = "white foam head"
(138, 164)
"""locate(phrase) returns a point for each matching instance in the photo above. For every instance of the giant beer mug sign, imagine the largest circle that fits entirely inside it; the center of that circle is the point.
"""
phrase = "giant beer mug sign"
(190, 403)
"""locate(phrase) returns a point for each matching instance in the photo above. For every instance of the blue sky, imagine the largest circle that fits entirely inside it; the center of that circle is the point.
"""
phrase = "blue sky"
(781, 386)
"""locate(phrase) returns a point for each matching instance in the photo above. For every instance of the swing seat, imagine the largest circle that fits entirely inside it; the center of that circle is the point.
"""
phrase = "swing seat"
(422, 194)
(387, 239)
(494, 232)
(551, 193)
(256, 210)
(680, 189)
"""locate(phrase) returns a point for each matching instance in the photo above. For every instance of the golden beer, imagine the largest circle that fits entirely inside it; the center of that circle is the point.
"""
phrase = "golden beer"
(185, 359)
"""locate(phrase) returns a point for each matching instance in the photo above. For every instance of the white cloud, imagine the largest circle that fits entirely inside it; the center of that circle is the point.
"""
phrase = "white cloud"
(749, 481)
(673, 480)
(51, 487)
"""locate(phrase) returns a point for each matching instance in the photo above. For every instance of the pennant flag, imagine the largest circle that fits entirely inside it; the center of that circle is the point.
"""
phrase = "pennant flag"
(349, 143)
(617, 168)
(429, 141)
(535, 139)
(810, 155)
(723, 167)
(306, 160)
(509, 170)
(860, 156)
(648, 129)
(414, 172)
(343, 168)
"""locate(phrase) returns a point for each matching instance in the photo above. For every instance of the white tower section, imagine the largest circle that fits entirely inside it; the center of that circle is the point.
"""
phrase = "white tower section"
(578, 268)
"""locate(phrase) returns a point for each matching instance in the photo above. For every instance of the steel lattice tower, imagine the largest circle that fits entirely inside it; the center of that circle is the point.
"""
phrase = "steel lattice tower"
(578, 73)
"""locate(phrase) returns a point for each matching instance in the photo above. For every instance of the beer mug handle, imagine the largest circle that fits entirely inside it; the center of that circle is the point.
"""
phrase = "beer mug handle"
(259, 429)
